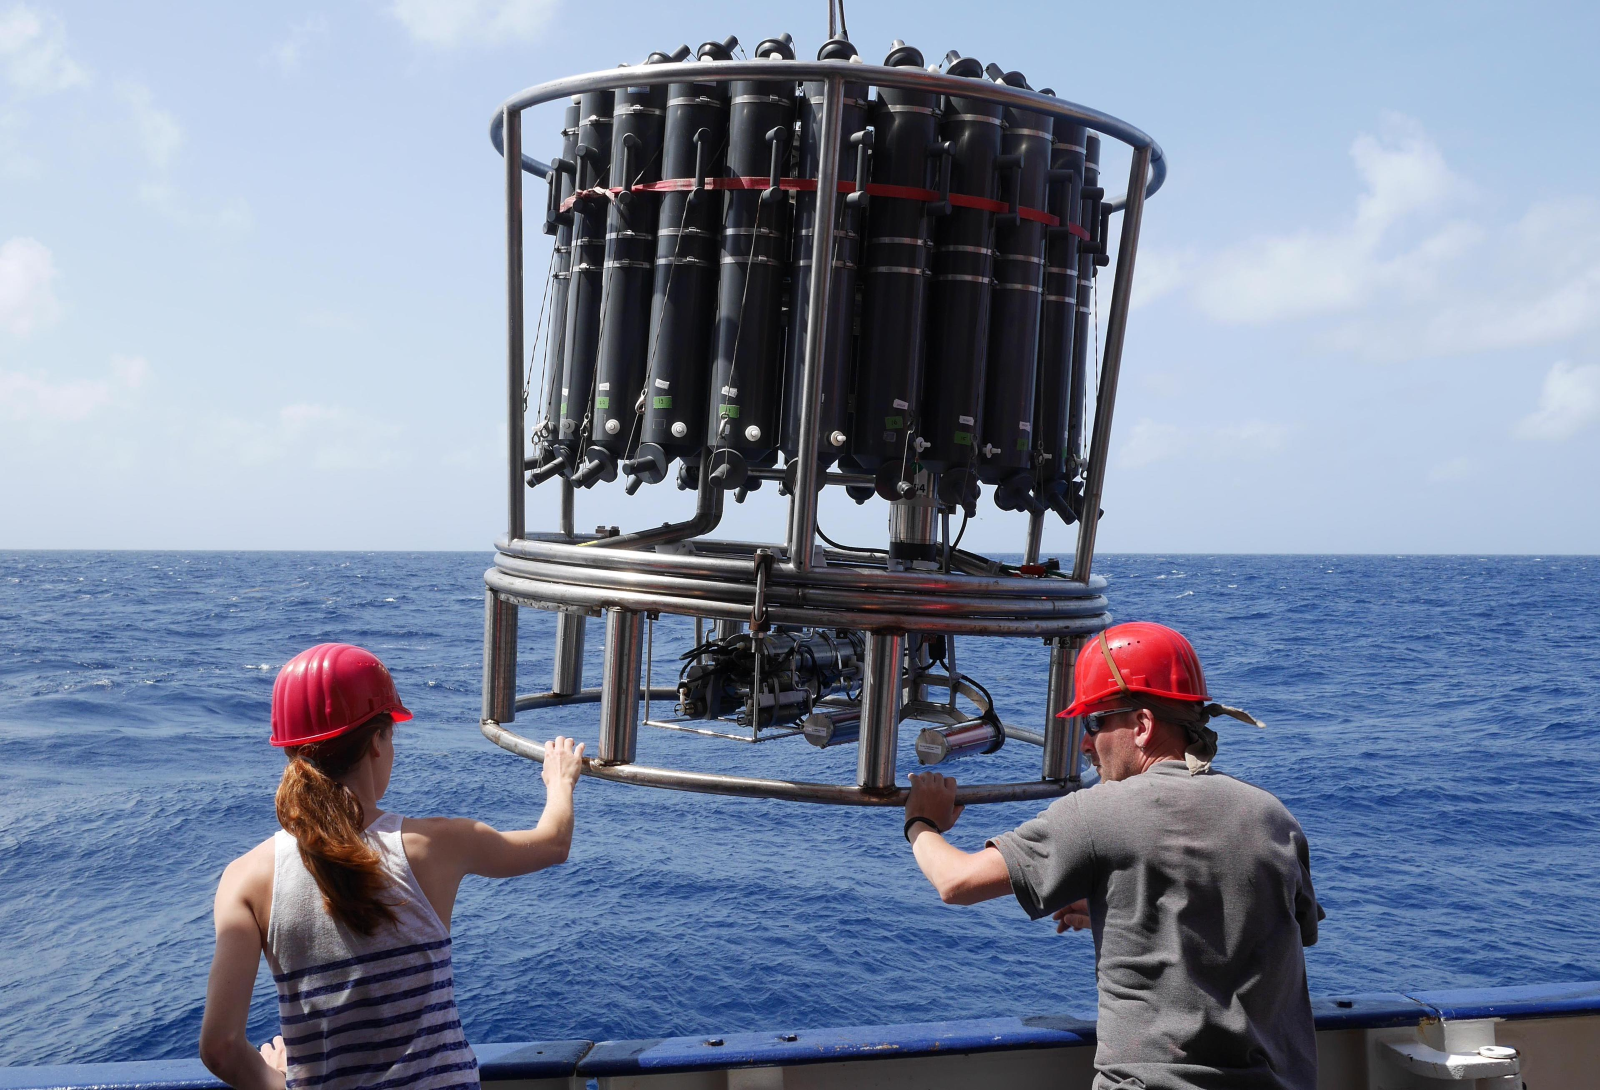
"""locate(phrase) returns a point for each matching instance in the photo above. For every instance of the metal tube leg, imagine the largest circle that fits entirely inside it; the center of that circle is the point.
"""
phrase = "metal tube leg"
(803, 505)
(1061, 736)
(515, 516)
(880, 710)
(499, 658)
(1106, 397)
(723, 629)
(1030, 555)
(619, 681)
(567, 677)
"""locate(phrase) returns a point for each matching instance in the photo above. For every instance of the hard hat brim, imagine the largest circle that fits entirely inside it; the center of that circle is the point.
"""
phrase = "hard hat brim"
(399, 713)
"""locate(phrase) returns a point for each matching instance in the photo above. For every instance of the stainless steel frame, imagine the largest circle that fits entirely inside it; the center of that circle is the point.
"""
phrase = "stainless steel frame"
(625, 578)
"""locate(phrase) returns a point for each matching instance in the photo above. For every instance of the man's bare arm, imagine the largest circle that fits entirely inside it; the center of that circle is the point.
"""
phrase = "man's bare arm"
(962, 878)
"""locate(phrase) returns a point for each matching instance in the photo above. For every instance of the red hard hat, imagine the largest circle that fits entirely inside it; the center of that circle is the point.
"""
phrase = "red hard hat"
(1138, 657)
(329, 689)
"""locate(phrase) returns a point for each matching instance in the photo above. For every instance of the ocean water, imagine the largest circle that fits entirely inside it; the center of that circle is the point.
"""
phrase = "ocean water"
(1430, 722)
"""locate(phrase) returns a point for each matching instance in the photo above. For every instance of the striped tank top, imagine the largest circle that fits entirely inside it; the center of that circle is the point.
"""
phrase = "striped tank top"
(364, 1012)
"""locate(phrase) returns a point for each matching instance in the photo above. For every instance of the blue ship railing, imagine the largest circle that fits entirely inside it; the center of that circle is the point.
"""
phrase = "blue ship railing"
(788, 1048)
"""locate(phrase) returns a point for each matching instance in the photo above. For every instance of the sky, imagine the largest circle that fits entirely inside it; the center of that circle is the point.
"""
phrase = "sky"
(252, 262)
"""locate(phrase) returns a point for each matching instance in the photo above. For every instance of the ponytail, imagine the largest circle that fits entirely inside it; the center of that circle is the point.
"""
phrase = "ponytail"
(324, 817)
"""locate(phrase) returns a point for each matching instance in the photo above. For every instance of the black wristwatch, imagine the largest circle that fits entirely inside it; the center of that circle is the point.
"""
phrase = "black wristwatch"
(910, 821)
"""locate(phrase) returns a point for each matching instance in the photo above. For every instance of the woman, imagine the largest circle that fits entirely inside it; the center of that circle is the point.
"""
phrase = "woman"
(352, 905)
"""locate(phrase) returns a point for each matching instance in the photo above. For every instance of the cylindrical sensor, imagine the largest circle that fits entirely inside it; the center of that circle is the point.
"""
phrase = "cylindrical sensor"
(830, 726)
(589, 211)
(746, 372)
(684, 298)
(1006, 458)
(895, 271)
(958, 314)
(1078, 386)
(839, 334)
(547, 422)
(936, 745)
(1053, 404)
(637, 117)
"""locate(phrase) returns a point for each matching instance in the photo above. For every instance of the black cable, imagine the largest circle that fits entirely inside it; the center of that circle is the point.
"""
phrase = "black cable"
(955, 546)
(850, 548)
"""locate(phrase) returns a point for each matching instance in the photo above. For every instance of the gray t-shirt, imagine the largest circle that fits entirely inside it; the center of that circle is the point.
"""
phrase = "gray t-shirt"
(1200, 896)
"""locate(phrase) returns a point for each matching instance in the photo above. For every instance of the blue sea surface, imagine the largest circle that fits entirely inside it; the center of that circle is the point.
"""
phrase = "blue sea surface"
(1430, 722)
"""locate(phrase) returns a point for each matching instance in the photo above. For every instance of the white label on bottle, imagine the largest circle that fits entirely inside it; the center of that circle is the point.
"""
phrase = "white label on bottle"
(967, 420)
(662, 384)
(900, 404)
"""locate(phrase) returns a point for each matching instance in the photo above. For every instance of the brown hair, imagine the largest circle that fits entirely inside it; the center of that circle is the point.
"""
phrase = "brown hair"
(324, 817)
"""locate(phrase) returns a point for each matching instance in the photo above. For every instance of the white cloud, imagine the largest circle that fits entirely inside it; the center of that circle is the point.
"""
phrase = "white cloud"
(1407, 274)
(459, 22)
(160, 136)
(304, 37)
(325, 436)
(1568, 403)
(27, 295)
(33, 53)
(1452, 470)
(1149, 442)
(35, 398)
(230, 221)
(1157, 273)
(158, 131)
(1318, 272)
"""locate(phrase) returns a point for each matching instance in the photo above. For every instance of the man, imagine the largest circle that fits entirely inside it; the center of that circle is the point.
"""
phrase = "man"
(1197, 885)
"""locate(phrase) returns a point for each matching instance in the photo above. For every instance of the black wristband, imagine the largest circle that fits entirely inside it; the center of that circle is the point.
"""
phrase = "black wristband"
(910, 821)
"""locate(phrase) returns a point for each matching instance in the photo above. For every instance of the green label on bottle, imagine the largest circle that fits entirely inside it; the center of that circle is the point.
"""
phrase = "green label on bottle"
(728, 410)
(964, 438)
(894, 421)
(1022, 442)
(662, 402)
(602, 403)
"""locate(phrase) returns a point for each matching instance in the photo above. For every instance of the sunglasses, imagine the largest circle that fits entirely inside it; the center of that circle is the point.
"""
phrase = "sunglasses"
(1095, 722)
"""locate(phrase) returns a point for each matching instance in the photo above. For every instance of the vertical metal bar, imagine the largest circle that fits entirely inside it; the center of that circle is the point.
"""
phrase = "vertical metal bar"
(723, 629)
(499, 658)
(568, 517)
(803, 504)
(950, 667)
(1061, 736)
(1030, 555)
(880, 710)
(516, 518)
(1106, 397)
(619, 688)
(567, 676)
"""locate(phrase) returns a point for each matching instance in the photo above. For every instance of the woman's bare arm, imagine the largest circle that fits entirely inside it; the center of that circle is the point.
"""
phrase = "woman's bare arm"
(442, 851)
(224, 1048)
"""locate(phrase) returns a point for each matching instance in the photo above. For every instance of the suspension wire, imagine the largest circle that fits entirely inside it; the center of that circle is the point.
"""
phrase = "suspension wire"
(832, 25)
(843, 26)
(538, 330)
(586, 428)
(744, 300)
(1094, 291)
